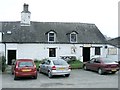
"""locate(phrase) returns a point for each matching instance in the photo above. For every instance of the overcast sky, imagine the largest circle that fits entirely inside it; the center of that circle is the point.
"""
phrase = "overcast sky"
(103, 13)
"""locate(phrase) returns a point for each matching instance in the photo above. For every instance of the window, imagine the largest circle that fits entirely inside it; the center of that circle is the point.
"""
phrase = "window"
(59, 62)
(25, 64)
(51, 37)
(97, 61)
(52, 52)
(112, 51)
(97, 50)
(73, 37)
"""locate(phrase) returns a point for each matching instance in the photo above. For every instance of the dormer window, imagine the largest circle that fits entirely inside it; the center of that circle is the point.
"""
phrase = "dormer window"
(51, 37)
(73, 37)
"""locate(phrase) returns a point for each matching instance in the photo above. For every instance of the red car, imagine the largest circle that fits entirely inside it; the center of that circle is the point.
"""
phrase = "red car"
(24, 68)
(102, 65)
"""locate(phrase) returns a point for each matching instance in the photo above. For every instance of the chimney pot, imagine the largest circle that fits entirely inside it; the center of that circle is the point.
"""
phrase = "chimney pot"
(25, 7)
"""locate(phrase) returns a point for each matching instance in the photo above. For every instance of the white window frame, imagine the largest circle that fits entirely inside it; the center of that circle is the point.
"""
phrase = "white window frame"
(54, 36)
(112, 51)
(76, 37)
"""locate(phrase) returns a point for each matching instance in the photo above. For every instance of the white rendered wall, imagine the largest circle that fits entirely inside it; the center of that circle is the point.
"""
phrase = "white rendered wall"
(2, 49)
(41, 51)
(0, 36)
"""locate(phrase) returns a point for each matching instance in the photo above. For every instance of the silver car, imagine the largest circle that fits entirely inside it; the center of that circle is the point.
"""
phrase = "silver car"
(55, 67)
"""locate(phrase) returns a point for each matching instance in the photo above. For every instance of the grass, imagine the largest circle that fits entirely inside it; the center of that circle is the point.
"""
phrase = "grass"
(74, 64)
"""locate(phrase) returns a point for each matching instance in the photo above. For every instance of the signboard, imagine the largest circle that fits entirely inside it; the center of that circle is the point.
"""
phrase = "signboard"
(87, 45)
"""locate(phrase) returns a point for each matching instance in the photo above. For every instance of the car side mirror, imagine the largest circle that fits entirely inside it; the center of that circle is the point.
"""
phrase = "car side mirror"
(88, 61)
(43, 63)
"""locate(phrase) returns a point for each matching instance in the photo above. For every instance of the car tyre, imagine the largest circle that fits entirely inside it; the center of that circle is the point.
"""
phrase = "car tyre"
(50, 75)
(12, 73)
(35, 77)
(40, 70)
(67, 75)
(113, 72)
(84, 67)
(15, 78)
(100, 71)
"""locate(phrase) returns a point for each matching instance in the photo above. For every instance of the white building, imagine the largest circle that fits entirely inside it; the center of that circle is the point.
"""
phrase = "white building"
(39, 40)
(114, 48)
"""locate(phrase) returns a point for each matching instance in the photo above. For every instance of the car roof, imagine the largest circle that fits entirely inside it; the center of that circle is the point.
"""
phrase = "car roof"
(24, 60)
(56, 59)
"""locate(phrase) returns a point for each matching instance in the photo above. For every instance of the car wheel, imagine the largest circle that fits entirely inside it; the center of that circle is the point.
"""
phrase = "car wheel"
(15, 78)
(84, 67)
(40, 70)
(12, 73)
(113, 72)
(100, 71)
(67, 75)
(35, 77)
(49, 74)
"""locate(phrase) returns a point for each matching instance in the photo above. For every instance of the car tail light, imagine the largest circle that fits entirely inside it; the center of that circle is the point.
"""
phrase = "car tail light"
(16, 69)
(53, 68)
(107, 66)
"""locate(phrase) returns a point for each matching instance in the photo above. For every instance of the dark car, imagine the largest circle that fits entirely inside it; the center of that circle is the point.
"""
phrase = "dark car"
(24, 68)
(102, 65)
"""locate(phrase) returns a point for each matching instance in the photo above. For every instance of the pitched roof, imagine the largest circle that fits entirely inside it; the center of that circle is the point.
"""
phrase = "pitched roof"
(87, 33)
(115, 42)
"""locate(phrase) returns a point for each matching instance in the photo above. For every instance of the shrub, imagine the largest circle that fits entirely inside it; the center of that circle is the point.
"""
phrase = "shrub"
(3, 63)
(36, 60)
(69, 58)
(76, 64)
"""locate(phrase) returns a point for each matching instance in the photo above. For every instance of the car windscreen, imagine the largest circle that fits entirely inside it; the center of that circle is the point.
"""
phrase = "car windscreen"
(59, 62)
(108, 60)
(25, 64)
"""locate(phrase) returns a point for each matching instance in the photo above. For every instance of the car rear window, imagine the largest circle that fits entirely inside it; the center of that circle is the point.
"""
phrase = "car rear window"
(59, 62)
(25, 64)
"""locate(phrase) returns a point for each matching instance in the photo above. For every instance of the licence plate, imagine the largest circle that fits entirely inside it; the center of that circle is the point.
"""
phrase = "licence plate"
(61, 68)
(114, 70)
(26, 70)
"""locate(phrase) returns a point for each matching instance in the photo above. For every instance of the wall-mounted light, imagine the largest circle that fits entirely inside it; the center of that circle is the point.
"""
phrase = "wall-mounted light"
(106, 47)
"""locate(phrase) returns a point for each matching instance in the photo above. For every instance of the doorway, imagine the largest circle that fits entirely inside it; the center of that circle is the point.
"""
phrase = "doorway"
(11, 56)
(86, 54)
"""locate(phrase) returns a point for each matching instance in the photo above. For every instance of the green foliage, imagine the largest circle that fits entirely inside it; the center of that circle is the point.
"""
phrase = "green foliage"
(76, 64)
(69, 58)
(37, 62)
(2, 63)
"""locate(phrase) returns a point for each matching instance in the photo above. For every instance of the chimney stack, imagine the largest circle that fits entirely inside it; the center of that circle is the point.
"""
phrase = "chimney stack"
(25, 16)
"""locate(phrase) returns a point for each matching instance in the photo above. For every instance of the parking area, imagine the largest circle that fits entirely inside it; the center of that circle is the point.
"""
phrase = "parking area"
(78, 79)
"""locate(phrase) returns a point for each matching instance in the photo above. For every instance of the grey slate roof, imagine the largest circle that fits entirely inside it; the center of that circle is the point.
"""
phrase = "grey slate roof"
(115, 42)
(36, 32)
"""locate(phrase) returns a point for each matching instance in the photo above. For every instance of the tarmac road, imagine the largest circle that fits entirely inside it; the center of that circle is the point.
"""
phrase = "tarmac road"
(78, 79)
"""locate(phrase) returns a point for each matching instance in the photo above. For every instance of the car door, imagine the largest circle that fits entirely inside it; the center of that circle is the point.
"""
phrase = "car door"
(47, 63)
(42, 67)
(90, 64)
(96, 64)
